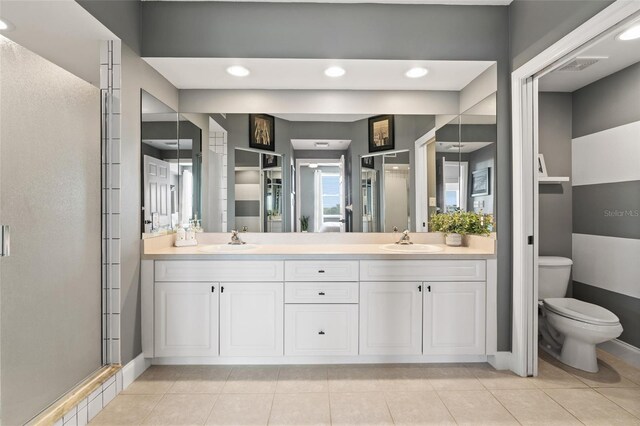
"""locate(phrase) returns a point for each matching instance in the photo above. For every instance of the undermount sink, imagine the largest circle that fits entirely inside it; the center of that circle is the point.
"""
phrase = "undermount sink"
(227, 248)
(411, 248)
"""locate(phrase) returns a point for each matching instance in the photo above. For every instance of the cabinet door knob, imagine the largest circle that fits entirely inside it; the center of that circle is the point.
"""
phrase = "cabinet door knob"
(222, 289)
(321, 293)
(429, 288)
(420, 288)
(213, 288)
(321, 333)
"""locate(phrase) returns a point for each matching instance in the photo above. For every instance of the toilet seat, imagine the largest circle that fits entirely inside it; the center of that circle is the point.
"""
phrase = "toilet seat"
(581, 311)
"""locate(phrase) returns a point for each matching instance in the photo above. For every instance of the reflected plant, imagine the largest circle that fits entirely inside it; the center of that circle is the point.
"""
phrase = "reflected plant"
(463, 223)
(304, 223)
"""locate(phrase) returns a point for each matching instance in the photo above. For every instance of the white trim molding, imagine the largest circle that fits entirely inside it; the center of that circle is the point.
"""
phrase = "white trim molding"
(622, 350)
(134, 369)
(525, 180)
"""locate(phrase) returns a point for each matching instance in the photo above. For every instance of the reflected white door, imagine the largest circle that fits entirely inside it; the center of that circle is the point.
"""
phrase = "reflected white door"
(157, 192)
(343, 213)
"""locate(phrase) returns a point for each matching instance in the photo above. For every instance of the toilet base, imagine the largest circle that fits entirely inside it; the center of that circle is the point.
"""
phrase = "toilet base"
(579, 355)
(576, 354)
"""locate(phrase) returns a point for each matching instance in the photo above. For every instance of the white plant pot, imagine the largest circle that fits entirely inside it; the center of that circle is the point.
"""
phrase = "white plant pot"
(453, 240)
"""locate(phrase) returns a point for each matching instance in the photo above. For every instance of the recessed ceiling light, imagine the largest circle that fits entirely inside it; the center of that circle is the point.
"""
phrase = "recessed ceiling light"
(322, 144)
(334, 72)
(417, 72)
(238, 71)
(5, 25)
(395, 167)
(632, 33)
(313, 166)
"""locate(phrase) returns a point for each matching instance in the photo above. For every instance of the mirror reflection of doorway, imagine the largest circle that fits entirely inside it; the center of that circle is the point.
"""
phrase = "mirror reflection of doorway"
(320, 195)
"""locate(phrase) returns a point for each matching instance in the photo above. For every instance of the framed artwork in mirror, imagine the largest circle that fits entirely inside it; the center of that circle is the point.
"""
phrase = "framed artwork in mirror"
(269, 161)
(480, 182)
(542, 167)
(368, 162)
(262, 132)
(381, 134)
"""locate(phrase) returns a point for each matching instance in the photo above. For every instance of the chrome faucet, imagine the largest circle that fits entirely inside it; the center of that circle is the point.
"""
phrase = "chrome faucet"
(404, 239)
(235, 239)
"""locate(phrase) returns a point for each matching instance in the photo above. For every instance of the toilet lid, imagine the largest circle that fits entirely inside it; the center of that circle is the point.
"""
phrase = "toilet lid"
(581, 311)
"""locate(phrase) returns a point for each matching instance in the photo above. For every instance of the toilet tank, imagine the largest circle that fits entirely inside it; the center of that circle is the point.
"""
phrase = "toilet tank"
(553, 276)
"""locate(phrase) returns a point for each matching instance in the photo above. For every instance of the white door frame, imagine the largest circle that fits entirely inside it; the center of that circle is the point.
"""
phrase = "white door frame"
(525, 178)
(422, 188)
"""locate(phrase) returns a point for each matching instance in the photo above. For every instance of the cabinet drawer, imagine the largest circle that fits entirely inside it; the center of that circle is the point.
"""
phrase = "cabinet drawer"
(218, 270)
(332, 270)
(423, 270)
(316, 330)
(321, 292)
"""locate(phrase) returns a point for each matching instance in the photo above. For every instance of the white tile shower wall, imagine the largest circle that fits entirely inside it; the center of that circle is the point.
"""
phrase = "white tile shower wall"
(110, 84)
(89, 407)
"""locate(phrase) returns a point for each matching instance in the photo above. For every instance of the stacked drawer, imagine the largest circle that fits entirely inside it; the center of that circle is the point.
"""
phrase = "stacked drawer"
(321, 308)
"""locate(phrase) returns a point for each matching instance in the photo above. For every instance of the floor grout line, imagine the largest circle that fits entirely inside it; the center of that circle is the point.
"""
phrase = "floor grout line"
(609, 399)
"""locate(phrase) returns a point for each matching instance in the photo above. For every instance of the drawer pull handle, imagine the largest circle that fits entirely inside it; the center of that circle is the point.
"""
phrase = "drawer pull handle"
(321, 293)
(321, 333)
(321, 271)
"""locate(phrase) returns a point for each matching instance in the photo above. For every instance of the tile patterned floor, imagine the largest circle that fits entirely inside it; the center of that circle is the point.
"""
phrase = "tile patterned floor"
(423, 394)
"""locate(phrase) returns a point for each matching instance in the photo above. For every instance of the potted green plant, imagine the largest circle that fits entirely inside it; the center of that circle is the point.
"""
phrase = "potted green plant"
(456, 224)
(304, 223)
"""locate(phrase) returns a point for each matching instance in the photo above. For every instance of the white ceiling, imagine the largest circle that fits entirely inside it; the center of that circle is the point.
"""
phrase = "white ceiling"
(310, 144)
(466, 147)
(61, 31)
(450, 2)
(308, 74)
(330, 118)
(169, 144)
(619, 55)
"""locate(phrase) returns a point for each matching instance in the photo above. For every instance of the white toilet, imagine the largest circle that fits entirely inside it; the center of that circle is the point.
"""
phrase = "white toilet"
(570, 329)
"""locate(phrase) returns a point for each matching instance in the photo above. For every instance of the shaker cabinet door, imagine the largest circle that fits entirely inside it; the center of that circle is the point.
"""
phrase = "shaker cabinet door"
(454, 318)
(251, 319)
(186, 319)
(390, 318)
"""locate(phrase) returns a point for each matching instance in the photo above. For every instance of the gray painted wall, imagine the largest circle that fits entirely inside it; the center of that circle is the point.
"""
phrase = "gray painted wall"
(122, 17)
(357, 31)
(136, 75)
(366, 31)
(51, 298)
(237, 127)
(537, 24)
(554, 126)
(607, 103)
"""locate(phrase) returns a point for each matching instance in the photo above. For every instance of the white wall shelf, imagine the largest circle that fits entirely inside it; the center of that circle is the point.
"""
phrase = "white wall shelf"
(551, 180)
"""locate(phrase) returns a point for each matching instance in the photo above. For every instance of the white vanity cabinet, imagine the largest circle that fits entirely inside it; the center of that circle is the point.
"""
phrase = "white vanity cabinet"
(390, 318)
(454, 318)
(251, 319)
(319, 310)
(186, 319)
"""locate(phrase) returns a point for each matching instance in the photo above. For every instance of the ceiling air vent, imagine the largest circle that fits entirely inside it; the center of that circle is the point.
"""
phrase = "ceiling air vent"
(581, 63)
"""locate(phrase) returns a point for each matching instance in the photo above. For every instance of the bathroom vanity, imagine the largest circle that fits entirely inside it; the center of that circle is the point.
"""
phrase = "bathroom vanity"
(317, 303)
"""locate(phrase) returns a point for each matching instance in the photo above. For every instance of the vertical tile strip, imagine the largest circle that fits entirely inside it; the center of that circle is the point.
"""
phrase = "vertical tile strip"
(110, 72)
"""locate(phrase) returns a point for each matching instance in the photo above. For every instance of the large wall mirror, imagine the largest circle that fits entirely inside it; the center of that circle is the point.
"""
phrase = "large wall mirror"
(318, 172)
(171, 164)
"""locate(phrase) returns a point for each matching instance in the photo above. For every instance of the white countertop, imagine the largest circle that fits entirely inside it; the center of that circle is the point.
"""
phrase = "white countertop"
(292, 251)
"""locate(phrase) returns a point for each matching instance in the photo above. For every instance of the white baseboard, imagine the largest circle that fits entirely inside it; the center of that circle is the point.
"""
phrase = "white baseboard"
(347, 359)
(622, 350)
(500, 360)
(133, 369)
